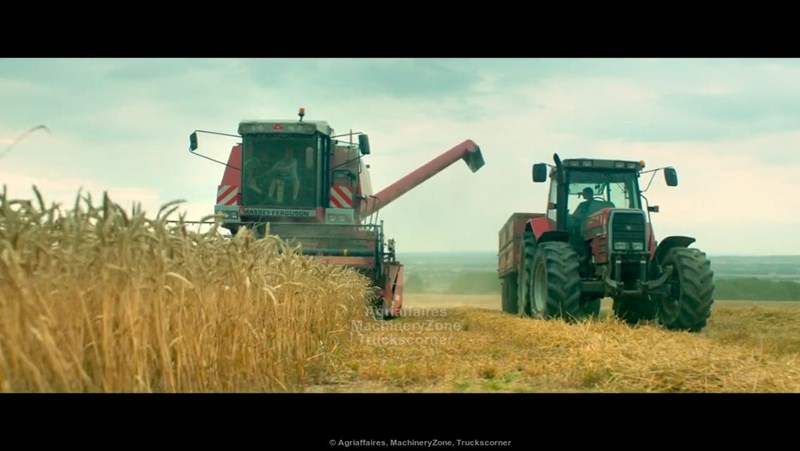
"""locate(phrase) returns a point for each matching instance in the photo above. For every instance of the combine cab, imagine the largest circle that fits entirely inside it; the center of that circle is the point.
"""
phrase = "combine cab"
(296, 180)
(596, 240)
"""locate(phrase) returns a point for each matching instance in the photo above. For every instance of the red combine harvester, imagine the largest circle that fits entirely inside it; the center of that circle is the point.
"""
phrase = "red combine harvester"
(596, 240)
(295, 180)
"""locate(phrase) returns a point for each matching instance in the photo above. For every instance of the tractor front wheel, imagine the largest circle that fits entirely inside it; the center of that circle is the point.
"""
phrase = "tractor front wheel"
(688, 305)
(555, 290)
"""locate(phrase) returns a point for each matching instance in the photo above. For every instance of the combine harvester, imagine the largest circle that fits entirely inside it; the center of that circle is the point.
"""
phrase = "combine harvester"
(295, 180)
(560, 264)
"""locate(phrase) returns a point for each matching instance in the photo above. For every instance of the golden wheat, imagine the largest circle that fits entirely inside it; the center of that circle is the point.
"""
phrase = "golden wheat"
(96, 299)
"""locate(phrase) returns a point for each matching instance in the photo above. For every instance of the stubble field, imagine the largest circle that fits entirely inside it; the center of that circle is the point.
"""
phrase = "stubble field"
(460, 343)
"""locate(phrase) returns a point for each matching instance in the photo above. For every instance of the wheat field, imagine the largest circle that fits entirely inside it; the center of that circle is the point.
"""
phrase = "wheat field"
(97, 299)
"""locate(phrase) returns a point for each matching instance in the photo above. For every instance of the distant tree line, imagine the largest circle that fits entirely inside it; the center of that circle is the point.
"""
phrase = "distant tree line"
(755, 289)
(486, 282)
(461, 282)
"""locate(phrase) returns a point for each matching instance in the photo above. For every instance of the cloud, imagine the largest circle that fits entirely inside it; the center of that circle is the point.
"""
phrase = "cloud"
(727, 126)
(343, 78)
(65, 191)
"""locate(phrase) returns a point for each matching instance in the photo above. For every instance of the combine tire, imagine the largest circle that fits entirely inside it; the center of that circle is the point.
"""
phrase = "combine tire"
(555, 289)
(635, 310)
(380, 310)
(688, 306)
(510, 294)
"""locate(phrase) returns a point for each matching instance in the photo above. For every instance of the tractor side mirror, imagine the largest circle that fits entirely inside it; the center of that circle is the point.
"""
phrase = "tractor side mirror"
(363, 144)
(653, 208)
(193, 142)
(539, 172)
(671, 176)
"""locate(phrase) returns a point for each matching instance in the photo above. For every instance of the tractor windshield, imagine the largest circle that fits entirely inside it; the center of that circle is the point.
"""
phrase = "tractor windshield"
(279, 170)
(589, 191)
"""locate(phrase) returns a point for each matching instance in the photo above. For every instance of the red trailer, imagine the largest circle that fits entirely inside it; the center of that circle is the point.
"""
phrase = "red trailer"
(296, 180)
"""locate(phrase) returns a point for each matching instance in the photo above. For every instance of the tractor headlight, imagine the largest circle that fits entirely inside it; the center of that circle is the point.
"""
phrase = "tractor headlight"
(638, 246)
(621, 246)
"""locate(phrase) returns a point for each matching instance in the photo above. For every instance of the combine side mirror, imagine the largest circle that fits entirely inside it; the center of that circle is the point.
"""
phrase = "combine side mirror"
(193, 142)
(653, 208)
(363, 144)
(539, 172)
(671, 176)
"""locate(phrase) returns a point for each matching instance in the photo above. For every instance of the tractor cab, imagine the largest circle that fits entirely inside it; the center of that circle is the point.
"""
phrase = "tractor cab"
(583, 195)
(580, 188)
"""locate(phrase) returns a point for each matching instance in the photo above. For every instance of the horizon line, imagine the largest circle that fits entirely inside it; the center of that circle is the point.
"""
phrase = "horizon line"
(495, 252)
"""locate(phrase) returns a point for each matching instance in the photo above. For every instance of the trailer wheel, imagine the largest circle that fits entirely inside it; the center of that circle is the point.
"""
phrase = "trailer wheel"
(510, 294)
(688, 306)
(555, 285)
(635, 310)
(524, 275)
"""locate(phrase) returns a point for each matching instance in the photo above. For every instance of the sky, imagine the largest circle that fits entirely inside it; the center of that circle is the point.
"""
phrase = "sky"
(730, 127)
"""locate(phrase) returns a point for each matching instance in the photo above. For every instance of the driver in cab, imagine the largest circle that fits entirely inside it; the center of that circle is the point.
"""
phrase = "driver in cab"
(587, 207)
(582, 210)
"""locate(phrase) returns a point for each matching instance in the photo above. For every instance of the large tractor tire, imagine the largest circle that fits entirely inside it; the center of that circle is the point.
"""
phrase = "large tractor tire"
(634, 310)
(524, 275)
(688, 306)
(555, 284)
(510, 294)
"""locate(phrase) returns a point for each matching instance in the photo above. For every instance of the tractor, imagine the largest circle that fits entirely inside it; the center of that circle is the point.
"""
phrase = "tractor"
(562, 263)
(300, 181)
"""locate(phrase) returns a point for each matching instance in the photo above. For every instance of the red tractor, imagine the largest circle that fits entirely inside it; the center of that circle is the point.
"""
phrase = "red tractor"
(560, 264)
(296, 180)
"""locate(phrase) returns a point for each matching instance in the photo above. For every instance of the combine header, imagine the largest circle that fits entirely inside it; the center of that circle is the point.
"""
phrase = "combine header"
(296, 180)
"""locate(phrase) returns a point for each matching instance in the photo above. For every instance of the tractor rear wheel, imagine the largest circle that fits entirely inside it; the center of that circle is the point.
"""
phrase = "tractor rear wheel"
(555, 289)
(688, 306)
(634, 310)
(510, 294)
